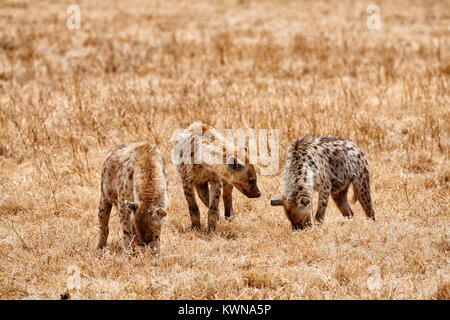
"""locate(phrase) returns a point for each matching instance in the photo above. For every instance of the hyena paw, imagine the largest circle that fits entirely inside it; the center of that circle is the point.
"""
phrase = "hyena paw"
(229, 216)
(196, 226)
(211, 228)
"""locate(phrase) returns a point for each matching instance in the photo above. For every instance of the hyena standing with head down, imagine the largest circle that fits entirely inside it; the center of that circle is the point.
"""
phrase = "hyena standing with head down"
(204, 157)
(134, 179)
(328, 165)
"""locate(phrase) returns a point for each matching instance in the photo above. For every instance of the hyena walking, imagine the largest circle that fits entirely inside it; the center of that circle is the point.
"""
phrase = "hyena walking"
(134, 179)
(194, 149)
(328, 165)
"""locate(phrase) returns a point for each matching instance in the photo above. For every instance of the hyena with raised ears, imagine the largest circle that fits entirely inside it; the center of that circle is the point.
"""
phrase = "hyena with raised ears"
(328, 165)
(135, 180)
(195, 149)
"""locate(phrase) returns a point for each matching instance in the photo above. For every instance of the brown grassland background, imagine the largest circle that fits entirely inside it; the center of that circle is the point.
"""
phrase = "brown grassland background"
(137, 70)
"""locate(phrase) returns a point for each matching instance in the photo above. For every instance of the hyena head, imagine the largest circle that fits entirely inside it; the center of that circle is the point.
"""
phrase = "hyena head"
(243, 177)
(147, 224)
(297, 210)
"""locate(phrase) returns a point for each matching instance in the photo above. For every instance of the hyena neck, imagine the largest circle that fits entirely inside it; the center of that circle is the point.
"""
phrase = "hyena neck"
(222, 170)
(149, 189)
(296, 186)
(219, 159)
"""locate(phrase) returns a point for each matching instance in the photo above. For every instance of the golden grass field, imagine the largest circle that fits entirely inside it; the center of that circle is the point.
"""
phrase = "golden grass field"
(138, 70)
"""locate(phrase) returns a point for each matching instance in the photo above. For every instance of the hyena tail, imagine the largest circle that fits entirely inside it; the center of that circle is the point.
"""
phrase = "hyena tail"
(361, 193)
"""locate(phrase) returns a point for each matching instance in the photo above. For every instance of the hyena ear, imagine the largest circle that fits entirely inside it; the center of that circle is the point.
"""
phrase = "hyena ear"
(233, 163)
(305, 201)
(131, 205)
(160, 212)
(276, 201)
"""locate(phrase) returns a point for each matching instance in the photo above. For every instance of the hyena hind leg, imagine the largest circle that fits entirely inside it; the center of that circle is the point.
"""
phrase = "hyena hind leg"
(203, 192)
(125, 221)
(361, 188)
(192, 204)
(340, 198)
(213, 212)
(227, 200)
(104, 212)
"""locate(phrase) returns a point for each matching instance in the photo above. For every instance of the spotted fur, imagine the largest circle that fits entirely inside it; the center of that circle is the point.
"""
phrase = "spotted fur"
(208, 178)
(326, 164)
(135, 180)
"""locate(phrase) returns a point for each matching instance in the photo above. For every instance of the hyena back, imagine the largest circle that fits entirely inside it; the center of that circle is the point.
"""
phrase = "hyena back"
(135, 180)
(208, 178)
(326, 164)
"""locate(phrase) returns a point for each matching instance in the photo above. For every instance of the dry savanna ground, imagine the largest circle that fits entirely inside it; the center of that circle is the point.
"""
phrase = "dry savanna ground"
(137, 70)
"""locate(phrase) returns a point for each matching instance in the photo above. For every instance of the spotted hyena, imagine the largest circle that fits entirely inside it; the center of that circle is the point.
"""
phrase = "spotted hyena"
(328, 165)
(232, 169)
(134, 179)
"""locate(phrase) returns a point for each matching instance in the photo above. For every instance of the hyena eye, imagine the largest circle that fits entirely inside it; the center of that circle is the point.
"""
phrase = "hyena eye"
(252, 181)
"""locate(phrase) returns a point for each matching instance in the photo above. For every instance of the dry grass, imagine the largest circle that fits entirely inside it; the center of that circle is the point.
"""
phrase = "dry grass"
(137, 70)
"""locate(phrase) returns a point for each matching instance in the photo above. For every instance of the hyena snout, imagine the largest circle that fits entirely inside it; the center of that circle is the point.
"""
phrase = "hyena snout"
(148, 236)
(249, 188)
(155, 246)
(299, 214)
(252, 192)
(302, 224)
(147, 225)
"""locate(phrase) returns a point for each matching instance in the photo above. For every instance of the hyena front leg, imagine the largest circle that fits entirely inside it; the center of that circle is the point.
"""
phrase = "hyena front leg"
(125, 221)
(213, 212)
(324, 194)
(104, 212)
(227, 200)
(188, 189)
